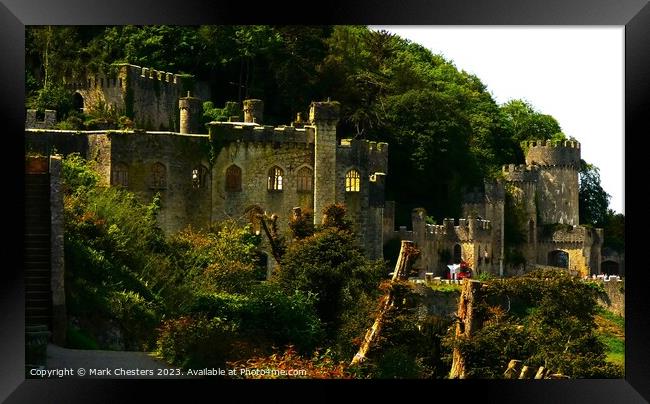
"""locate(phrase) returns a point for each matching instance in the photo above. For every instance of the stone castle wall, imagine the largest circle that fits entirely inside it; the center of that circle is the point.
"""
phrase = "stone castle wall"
(252, 148)
(148, 95)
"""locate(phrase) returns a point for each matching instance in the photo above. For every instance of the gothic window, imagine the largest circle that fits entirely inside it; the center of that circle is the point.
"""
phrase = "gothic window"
(158, 176)
(233, 179)
(120, 175)
(199, 174)
(352, 181)
(305, 179)
(276, 176)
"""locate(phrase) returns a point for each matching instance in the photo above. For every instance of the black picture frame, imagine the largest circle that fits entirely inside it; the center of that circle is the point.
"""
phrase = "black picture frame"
(15, 14)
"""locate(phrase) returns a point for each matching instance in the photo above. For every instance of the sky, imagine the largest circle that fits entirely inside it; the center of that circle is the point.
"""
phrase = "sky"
(575, 74)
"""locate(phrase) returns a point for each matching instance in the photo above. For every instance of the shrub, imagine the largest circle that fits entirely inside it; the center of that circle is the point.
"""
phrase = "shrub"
(544, 318)
(268, 313)
(285, 366)
(137, 318)
(331, 266)
(197, 341)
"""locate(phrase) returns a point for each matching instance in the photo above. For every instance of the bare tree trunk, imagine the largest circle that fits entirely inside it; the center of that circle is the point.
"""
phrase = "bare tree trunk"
(467, 323)
(271, 236)
(406, 256)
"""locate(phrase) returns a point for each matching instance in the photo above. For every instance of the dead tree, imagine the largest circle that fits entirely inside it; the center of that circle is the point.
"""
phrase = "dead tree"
(272, 235)
(467, 322)
(407, 255)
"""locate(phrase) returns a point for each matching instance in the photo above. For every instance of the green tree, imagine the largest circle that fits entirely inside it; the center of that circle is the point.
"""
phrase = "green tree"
(330, 265)
(528, 124)
(593, 200)
(614, 228)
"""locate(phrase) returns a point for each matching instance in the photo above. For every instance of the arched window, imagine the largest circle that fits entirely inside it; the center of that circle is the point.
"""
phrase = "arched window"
(120, 175)
(305, 179)
(352, 181)
(275, 179)
(233, 179)
(199, 174)
(531, 231)
(457, 254)
(158, 176)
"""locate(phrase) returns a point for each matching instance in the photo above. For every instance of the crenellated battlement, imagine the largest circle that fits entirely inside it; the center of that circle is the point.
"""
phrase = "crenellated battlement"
(463, 229)
(376, 153)
(252, 132)
(521, 172)
(117, 80)
(574, 144)
(552, 152)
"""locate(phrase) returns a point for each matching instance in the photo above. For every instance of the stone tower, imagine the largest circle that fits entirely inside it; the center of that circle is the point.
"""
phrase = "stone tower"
(324, 116)
(557, 186)
(190, 111)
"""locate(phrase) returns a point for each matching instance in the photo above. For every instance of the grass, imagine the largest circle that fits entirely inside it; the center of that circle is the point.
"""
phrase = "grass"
(611, 332)
(445, 287)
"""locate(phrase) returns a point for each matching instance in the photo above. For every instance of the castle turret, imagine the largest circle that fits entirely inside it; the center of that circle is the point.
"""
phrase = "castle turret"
(324, 116)
(557, 186)
(190, 108)
(253, 111)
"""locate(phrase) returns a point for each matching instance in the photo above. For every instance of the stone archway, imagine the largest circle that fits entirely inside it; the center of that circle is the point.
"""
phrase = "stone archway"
(558, 258)
(78, 102)
(610, 267)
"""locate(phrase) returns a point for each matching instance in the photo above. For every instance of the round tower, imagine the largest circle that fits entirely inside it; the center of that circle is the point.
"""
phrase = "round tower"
(557, 185)
(253, 111)
(190, 110)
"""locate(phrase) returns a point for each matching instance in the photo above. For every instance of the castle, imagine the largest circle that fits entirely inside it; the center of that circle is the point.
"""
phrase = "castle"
(545, 196)
(238, 168)
(242, 166)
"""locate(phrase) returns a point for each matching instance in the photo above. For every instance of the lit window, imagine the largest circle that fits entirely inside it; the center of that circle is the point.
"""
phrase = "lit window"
(305, 179)
(233, 179)
(120, 175)
(275, 179)
(352, 181)
(158, 176)
(198, 177)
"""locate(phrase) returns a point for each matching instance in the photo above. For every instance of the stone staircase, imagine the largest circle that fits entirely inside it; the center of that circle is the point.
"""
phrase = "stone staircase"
(38, 300)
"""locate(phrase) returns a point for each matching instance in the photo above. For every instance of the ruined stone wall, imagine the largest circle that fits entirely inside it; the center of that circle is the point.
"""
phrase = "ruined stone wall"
(148, 95)
(47, 122)
(103, 90)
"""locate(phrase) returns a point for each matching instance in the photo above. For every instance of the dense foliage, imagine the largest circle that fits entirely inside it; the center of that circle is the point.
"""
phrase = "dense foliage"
(544, 318)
